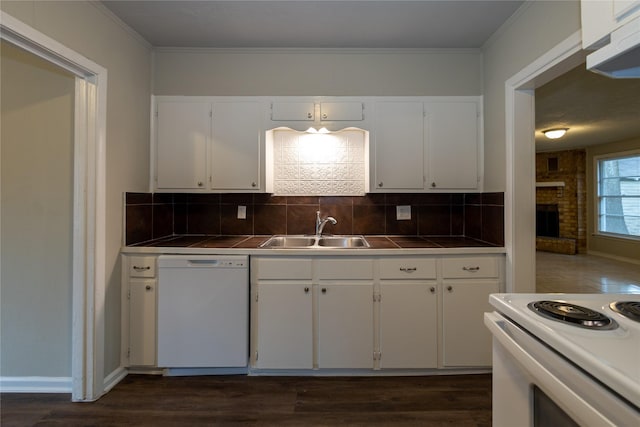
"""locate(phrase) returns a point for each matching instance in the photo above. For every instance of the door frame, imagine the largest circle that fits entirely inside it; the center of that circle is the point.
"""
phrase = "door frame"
(89, 188)
(520, 194)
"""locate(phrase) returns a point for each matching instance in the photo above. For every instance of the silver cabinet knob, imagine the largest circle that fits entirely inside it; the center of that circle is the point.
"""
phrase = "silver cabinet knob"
(253, 184)
(306, 290)
(433, 185)
(450, 288)
(380, 184)
(200, 184)
(324, 290)
(309, 115)
(324, 116)
(148, 287)
(432, 289)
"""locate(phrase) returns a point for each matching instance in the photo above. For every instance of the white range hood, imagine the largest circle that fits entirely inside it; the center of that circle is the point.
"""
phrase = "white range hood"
(621, 57)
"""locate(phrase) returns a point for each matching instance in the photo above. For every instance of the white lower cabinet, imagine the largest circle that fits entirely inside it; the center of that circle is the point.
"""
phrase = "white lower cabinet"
(142, 322)
(345, 325)
(284, 326)
(359, 312)
(408, 325)
(139, 311)
(467, 283)
(465, 339)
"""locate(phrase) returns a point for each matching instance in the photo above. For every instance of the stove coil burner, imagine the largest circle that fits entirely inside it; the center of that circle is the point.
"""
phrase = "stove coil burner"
(629, 309)
(573, 314)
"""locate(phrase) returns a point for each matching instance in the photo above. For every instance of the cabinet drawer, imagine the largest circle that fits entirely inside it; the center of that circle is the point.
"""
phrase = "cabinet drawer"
(469, 267)
(345, 269)
(408, 268)
(142, 266)
(283, 268)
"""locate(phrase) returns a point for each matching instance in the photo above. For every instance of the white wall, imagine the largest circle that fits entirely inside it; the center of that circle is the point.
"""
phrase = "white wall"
(91, 31)
(602, 245)
(321, 72)
(37, 211)
(537, 27)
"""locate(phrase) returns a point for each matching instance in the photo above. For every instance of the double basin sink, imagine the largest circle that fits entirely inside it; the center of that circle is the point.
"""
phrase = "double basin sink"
(314, 242)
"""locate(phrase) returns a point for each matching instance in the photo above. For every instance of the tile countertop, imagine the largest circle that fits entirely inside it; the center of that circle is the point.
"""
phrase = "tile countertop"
(381, 245)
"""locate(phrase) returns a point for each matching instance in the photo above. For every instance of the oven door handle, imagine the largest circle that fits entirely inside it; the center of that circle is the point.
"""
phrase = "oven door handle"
(508, 335)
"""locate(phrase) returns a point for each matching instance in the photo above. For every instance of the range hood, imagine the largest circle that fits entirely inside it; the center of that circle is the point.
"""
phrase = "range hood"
(621, 57)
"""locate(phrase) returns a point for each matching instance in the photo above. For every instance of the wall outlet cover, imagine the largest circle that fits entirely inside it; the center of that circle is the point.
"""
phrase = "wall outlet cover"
(403, 212)
(242, 212)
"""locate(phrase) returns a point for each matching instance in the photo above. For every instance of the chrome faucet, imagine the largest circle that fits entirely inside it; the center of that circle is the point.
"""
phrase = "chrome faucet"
(320, 223)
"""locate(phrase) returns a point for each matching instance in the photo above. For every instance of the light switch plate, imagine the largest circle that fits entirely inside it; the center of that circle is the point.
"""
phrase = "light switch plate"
(403, 212)
(242, 212)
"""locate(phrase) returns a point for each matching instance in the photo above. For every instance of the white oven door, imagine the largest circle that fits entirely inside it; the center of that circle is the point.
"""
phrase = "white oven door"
(535, 386)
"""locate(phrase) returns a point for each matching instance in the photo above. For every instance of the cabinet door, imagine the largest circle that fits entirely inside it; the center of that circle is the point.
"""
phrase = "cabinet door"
(182, 133)
(236, 134)
(142, 322)
(285, 326)
(465, 339)
(341, 111)
(399, 144)
(623, 7)
(345, 326)
(452, 145)
(293, 111)
(408, 325)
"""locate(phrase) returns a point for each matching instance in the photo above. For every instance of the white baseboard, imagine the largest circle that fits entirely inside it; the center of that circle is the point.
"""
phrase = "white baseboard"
(114, 378)
(35, 384)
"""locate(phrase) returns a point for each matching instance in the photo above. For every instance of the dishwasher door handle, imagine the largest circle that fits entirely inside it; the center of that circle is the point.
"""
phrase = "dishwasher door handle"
(202, 263)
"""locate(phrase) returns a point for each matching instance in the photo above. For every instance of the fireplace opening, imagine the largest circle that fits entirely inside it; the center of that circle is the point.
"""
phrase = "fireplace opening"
(547, 220)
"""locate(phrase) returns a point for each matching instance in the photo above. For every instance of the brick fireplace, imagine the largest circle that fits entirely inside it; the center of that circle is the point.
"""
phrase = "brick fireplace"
(561, 202)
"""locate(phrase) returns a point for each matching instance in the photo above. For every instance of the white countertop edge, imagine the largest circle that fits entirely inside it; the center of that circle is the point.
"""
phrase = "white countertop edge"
(134, 250)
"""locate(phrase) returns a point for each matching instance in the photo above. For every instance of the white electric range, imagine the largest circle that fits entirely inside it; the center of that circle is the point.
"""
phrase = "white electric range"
(565, 359)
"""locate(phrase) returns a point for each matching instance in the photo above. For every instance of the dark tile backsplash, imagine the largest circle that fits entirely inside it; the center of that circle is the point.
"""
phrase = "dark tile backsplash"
(152, 216)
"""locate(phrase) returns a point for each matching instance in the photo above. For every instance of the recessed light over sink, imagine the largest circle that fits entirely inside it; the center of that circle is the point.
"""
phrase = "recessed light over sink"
(555, 133)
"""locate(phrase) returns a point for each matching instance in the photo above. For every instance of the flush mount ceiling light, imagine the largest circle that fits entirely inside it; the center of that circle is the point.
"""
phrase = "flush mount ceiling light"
(555, 133)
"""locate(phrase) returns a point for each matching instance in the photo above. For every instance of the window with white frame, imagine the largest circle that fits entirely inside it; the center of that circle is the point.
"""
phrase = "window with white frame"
(618, 192)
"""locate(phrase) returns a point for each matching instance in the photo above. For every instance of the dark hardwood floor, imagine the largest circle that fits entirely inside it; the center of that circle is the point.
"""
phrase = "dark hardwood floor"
(140, 400)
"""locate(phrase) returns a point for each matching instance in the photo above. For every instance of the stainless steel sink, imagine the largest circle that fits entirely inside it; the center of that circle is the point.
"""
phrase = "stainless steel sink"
(289, 242)
(343, 242)
(312, 242)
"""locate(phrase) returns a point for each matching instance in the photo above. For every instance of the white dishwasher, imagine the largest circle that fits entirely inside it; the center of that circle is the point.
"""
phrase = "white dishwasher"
(203, 311)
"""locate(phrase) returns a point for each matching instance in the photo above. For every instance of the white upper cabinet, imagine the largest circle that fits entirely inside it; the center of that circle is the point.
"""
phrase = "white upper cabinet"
(600, 18)
(316, 112)
(182, 136)
(236, 140)
(398, 146)
(451, 136)
(293, 111)
(225, 144)
(207, 145)
(341, 111)
(430, 144)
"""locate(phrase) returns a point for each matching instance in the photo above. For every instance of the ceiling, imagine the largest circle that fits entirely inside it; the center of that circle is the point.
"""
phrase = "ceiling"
(596, 109)
(315, 23)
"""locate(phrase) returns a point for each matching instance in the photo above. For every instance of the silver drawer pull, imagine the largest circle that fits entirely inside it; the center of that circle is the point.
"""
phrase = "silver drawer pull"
(408, 269)
(136, 268)
(471, 269)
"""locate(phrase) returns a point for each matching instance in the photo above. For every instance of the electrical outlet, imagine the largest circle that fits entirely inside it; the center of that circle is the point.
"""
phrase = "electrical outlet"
(242, 212)
(403, 212)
